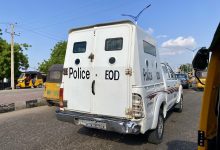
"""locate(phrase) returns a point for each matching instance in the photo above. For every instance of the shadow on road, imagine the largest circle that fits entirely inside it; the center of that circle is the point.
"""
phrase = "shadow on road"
(116, 137)
(181, 145)
(128, 139)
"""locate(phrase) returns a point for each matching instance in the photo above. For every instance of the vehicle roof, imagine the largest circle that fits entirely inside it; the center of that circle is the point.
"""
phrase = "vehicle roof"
(102, 24)
(56, 67)
(32, 72)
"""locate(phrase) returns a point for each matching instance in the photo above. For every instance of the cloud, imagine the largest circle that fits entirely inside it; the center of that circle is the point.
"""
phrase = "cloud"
(162, 36)
(170, 52)
(150, 31)
(177, 46)
(180, 42)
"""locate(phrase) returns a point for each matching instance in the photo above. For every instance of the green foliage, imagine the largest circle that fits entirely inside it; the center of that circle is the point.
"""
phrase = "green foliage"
(21, 60)
(186, 68)
(56, 57)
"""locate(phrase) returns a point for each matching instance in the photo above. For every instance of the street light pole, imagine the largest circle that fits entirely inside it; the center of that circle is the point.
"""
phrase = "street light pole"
(135, 18)
(193, 52)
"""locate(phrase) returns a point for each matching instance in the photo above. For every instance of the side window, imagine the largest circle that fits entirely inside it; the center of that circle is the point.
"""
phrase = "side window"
(149, 48)
(79, 47)
(113, 44)
(172, 74)
(166, 73)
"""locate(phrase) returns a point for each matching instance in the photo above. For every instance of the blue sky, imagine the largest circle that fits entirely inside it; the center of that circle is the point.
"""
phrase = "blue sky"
(176, 25)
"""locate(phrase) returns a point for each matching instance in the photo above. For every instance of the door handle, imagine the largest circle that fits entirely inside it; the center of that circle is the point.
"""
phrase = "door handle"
(93, 87)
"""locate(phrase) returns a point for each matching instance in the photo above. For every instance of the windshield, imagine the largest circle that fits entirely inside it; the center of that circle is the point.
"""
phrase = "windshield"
(201, 74)
(22, 75)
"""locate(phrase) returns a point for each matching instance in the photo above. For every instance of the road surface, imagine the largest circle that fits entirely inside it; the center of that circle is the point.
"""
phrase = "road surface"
(37, 128)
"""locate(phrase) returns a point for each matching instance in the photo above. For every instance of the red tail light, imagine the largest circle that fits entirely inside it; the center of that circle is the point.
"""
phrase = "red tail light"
(61, 97)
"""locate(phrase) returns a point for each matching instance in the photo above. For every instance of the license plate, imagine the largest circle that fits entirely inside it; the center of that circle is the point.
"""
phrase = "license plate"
(93, 124)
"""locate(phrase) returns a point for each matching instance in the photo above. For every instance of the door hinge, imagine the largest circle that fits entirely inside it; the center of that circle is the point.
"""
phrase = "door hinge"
(201, 138)
(128, 71)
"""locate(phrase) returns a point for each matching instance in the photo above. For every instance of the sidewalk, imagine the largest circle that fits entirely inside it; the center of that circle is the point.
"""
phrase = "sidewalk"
(20, 99)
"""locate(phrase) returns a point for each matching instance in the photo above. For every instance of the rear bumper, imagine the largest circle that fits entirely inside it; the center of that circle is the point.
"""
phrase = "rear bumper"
(112, 124)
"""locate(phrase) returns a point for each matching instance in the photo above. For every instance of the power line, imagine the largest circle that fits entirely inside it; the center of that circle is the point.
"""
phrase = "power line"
(33, 21)
(79, 16)
(7, 23)
(40, 33)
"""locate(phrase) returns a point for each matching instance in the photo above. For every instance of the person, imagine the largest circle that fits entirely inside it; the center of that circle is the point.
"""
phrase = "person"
(27, 79)
(33, 81)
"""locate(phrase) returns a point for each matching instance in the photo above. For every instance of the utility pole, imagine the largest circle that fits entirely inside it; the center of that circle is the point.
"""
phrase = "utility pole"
(12, 33)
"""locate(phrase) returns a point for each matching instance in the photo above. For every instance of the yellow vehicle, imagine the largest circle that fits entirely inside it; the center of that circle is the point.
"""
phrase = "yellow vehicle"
(52, 85)
(30, 79)
(202, 77)
(209, 127)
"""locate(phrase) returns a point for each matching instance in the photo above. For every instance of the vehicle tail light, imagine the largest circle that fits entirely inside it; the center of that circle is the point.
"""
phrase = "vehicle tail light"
(61, 97)
(137, 106)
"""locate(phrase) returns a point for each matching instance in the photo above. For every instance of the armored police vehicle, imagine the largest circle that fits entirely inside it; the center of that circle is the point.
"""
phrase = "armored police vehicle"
(113, 80)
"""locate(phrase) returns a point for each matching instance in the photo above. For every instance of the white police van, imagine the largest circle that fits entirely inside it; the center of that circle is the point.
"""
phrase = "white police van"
(113, 80)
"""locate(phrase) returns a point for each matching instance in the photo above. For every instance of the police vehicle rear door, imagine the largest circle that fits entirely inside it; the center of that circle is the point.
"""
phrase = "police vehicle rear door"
(110, 83)
(78, 70)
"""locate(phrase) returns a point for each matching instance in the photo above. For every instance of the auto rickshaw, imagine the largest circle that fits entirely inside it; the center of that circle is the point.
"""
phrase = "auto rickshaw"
(52, 84)
(209, 127)
(30, 79)
(202, 77)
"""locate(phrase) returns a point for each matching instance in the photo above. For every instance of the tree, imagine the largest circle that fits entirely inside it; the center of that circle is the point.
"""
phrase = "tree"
(56, 57)
(186, 68)
(21, 60)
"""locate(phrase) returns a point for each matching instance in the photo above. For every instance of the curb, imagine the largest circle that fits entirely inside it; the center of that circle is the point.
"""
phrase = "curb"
(22, 105)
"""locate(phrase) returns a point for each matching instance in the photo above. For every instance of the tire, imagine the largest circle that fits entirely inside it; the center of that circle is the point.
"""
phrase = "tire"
(40, 86)
(156, 135)
(50, 103)
(179, 106)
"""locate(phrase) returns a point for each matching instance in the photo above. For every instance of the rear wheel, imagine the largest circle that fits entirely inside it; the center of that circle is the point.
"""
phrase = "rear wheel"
(179, 106)
(156, 135)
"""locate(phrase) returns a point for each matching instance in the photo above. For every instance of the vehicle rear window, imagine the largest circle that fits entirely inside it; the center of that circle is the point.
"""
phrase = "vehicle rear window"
(149, 48)
(54, 76)
(113, 44)
(79, 47)
(179, 76)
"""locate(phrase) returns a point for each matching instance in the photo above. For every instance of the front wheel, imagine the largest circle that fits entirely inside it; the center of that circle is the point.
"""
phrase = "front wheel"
(156, 135)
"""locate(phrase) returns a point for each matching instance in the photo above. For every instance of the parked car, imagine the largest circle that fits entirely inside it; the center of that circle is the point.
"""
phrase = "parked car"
(113, 80)
(183, 79)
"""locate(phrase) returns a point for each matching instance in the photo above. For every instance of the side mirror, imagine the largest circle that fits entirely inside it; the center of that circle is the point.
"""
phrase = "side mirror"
(201, 60)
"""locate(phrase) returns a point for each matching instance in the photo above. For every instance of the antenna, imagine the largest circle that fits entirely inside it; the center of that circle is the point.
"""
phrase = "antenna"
(135, 18)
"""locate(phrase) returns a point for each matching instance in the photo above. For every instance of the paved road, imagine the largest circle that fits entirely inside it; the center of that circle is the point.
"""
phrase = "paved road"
(19, 96)
(37, 128)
